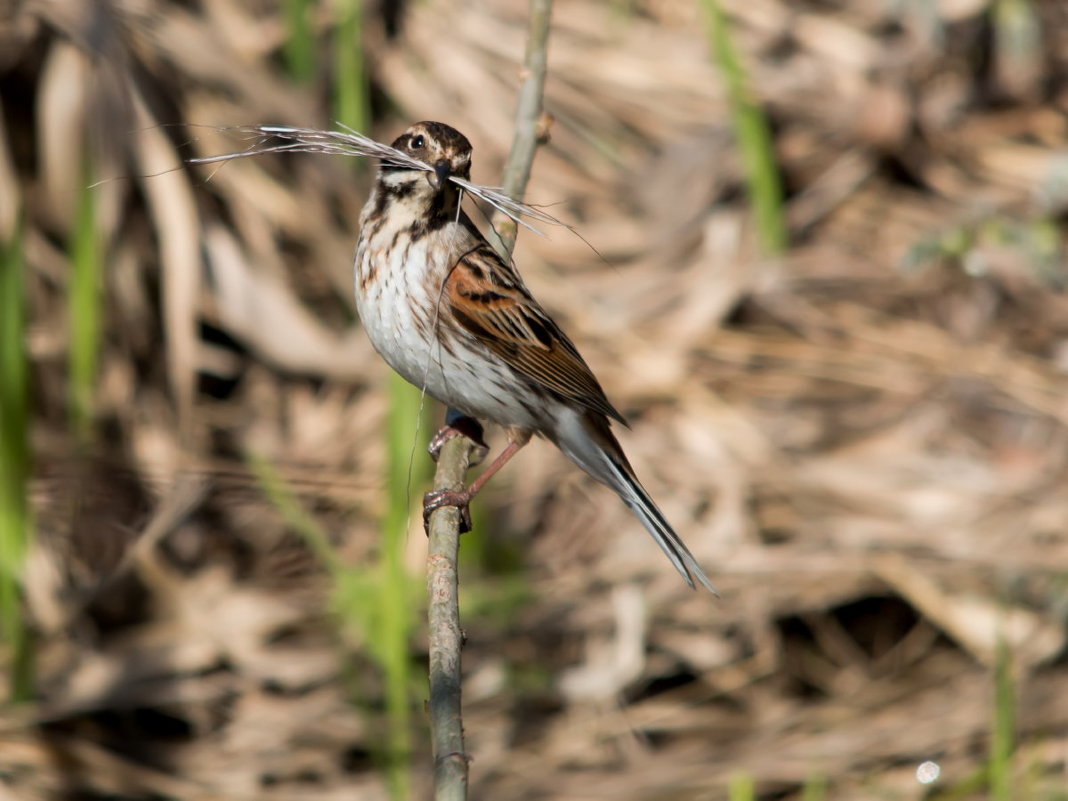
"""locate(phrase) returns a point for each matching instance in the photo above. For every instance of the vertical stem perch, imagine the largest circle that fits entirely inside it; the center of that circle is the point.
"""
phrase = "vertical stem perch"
(528, 111)
(446, 637)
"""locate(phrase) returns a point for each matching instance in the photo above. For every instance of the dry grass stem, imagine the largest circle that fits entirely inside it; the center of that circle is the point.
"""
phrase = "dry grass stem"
(353, 143)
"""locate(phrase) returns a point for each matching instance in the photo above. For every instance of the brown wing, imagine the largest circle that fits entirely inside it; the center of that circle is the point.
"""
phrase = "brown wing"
(489, 300)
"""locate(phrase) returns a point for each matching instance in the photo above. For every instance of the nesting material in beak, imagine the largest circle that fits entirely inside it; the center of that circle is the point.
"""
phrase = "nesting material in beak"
(441, 175)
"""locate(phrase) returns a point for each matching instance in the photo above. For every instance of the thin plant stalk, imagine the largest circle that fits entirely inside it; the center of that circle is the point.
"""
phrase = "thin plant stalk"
(299, 47)
(15, 523)
(1003, 735)
(753, 134)
(446, 640)
(446, 636)
(351, 102)
(528, 113)
(406, 475)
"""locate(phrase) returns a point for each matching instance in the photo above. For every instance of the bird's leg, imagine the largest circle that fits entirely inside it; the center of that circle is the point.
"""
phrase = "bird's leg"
(459, 425)
(436, 499)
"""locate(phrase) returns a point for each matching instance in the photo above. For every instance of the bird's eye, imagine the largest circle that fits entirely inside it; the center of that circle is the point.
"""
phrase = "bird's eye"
(417, 142)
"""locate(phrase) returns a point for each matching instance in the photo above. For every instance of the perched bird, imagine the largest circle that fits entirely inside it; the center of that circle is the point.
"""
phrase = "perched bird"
(454, 319)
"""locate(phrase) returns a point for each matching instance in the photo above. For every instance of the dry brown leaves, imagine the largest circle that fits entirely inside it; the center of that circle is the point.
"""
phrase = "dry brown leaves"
(864, 440)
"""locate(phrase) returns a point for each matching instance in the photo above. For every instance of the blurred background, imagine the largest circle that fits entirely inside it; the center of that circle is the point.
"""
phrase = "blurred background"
(821, 271)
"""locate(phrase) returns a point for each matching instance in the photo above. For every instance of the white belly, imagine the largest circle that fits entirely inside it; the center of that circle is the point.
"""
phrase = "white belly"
(401, 317)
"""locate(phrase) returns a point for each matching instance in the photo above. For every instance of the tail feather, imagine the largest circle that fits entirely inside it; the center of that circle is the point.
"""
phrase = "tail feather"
(639, 502)
(588, 441)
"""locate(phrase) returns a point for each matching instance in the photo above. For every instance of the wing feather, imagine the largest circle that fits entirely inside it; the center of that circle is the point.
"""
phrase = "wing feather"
(489, 300)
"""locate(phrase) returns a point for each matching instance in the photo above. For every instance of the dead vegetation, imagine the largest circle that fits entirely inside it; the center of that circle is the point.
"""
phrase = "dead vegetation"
(865, 440)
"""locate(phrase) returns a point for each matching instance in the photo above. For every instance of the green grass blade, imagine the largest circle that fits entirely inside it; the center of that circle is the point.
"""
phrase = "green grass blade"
(1003, 736)
(351, 100)
(408, 472)
(353, 589)
(15, 524)
(815, 788)
(85, 302)
(299, 47)
(309, 530)
(741, 788)
(753, 134)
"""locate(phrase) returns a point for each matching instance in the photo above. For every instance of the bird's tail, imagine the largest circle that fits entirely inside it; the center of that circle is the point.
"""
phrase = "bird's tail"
(589, 442)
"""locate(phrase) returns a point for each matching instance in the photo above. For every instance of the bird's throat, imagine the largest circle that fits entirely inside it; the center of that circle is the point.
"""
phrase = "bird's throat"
(413, 203)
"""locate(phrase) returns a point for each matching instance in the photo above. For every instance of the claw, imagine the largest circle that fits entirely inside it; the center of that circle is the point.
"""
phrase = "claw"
(438, 499)
(435, 499)
(459, 426)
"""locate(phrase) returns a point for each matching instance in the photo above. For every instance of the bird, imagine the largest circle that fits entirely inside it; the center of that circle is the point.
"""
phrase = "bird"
(456, 320)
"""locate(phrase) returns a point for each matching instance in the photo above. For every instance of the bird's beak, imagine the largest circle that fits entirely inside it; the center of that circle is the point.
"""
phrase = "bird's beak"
(441, 175)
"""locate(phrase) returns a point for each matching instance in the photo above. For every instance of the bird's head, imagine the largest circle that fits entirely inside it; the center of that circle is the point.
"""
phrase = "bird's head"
(442, 147)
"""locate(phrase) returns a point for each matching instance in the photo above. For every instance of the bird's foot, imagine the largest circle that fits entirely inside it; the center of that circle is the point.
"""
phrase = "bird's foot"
(438, 499)
(460, 426)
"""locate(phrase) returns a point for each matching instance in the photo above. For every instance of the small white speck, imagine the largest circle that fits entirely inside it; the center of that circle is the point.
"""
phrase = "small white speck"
(927, 772)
